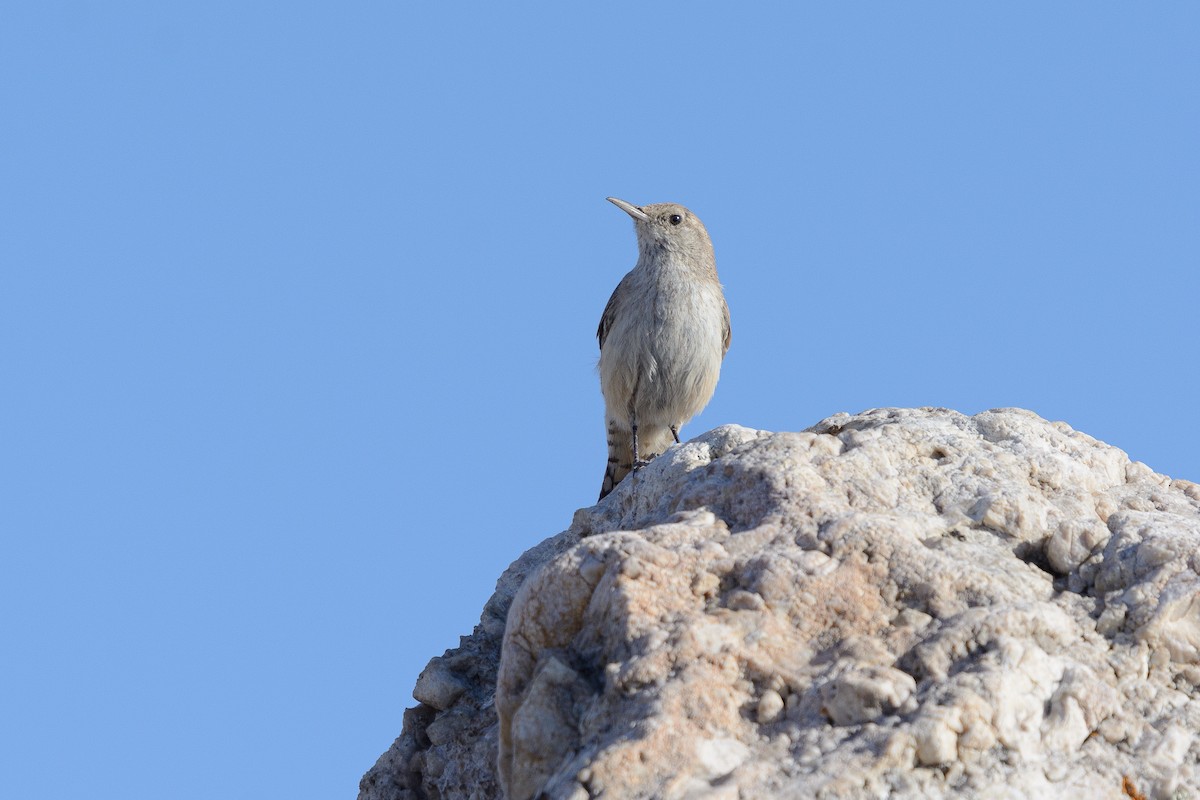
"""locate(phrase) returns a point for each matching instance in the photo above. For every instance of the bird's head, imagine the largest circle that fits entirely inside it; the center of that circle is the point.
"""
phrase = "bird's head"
(670, 227)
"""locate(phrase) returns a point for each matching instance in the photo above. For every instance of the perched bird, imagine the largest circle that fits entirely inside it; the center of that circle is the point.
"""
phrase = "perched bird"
(662, 336)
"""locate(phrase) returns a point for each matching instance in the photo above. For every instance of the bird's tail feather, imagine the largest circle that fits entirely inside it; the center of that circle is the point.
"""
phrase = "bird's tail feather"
(620, 459)
(651, 442)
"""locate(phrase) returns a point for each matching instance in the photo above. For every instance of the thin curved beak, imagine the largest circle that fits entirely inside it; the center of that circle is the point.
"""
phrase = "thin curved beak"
(629, 208)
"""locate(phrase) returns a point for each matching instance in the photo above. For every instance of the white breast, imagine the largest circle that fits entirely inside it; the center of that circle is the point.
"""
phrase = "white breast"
(667, 341)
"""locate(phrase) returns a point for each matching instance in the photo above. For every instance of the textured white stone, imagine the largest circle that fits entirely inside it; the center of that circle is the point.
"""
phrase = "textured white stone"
(438, 686)
(907, 603)
(717, 758)
(770, 707)
(865, 693)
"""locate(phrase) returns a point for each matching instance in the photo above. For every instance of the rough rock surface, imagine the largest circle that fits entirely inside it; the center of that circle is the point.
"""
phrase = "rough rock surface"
(901, 603)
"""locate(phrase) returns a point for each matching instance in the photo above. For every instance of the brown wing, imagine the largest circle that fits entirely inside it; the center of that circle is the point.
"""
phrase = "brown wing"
(728, 331)
(610, 313)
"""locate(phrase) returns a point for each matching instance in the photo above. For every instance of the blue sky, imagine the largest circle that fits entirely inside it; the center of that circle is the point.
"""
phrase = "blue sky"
(298, 305)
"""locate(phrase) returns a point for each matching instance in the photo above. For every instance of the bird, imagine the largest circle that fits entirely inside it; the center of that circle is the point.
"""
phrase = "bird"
(663, 337)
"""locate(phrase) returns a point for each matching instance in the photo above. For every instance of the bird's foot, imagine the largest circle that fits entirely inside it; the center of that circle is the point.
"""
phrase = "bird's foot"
(639, 463)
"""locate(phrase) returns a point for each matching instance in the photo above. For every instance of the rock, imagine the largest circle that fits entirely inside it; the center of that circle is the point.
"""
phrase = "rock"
(906, 603)
(862, 694)
(770, 706)
(438, 686)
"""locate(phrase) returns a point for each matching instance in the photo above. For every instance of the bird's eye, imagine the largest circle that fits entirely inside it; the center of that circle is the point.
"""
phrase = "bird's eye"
(676, 219)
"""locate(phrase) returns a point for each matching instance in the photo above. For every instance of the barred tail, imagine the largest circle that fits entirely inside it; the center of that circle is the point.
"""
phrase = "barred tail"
(620, 459)
(652, 440)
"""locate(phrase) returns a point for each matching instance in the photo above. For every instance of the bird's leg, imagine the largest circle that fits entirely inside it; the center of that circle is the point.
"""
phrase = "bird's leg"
(675, 433)
(637, 461)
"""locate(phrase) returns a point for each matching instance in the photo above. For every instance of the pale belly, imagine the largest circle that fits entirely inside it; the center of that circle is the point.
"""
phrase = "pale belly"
(667, 374)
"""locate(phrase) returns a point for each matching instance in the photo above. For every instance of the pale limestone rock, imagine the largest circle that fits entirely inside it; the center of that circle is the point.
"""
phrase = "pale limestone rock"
(902, 603)
(770, 706)
(438, 686)
(866, 693)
